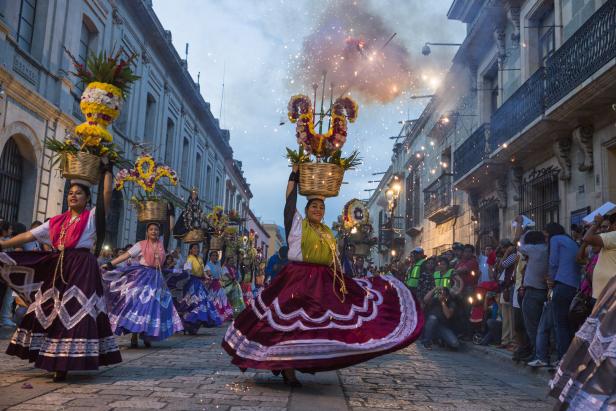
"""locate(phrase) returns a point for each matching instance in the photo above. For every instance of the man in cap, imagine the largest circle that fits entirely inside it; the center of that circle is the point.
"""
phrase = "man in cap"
(412, 276)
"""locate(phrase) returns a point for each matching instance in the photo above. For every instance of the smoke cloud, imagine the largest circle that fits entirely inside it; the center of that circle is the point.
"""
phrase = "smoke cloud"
(350, 44)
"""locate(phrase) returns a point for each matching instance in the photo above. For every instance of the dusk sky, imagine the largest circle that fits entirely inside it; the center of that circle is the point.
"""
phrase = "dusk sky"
(267, 51)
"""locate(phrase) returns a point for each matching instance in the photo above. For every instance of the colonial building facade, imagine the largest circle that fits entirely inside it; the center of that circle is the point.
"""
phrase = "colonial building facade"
(165, 111)
(523, 124)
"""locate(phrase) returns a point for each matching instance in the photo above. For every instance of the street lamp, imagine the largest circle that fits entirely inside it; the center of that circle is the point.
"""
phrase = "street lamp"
(426, 50)
(392, 194)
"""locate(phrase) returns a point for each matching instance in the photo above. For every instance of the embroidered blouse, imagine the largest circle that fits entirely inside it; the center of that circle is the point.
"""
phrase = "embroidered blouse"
(87, 239)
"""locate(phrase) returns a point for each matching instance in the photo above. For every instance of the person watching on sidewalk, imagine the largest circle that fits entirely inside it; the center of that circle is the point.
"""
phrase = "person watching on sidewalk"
(564, 279)
(535, 249)
(506, 268)
(412, 276)
(606, 263)
(442, 303)
(426, 278)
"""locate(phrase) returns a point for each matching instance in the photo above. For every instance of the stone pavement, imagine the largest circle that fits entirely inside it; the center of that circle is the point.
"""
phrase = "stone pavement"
(193, 373)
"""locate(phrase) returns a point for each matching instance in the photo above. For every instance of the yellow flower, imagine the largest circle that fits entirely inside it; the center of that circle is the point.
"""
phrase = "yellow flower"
(145, 172)
(109, 88)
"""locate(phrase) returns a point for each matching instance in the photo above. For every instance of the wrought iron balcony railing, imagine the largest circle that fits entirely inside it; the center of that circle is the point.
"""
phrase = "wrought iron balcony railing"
(591, 47)
(525, 105)
(392, 229)
(473, 151)
(437, 195)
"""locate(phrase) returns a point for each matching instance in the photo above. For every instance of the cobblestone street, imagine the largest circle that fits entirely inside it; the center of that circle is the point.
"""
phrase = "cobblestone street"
(193, 373)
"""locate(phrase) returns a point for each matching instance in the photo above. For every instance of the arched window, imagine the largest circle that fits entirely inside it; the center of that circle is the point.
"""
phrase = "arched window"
(86, 45)
(150, 120)
(185, 167)
(10, 181)
(217, 193)
(169, 141)
(25, 28)
(198, 171)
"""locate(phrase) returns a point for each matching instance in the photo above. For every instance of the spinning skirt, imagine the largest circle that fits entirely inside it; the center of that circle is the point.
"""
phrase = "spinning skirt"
(235, 297)
(191, 301)
(139, 302)
(219, 298)
(586, 377)
(300, 322)
(247, 294)
(65, 326)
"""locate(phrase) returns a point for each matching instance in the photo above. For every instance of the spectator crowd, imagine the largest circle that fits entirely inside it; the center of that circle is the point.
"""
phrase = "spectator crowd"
(528, 294)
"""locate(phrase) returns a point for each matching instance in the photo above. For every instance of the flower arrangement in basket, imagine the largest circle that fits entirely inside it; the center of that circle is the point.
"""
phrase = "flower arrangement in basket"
(108, 79)
(319, 155)
(217, 221)
(146, 174)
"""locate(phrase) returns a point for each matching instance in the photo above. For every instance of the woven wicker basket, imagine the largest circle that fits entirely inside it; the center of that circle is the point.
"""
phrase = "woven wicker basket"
(193, 236)
(82, 166)
(323, 179)
(216, 242)
(361, 249)
(148, 211)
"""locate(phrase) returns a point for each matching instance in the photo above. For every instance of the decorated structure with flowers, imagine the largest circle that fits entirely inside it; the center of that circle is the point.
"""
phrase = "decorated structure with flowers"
(355, 229)
(146, 174)
(319, 155)
(108, 79)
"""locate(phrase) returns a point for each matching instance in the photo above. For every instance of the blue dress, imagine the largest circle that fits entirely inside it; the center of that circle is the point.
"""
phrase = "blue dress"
(191, 300)
(139, 301)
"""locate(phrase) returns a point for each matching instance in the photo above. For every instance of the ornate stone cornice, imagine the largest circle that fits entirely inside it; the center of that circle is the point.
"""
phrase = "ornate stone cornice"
(501, 191)
(513, 15)
(583, 137)
(499, 38)
(562, 151)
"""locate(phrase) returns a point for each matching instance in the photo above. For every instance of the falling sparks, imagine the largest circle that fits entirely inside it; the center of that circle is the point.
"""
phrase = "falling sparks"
(370, 61)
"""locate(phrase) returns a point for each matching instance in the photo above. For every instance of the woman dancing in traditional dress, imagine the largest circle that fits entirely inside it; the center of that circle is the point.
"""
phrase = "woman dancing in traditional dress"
(193, 303)
(213, 270)
(66, 326)
(232, 287)
(312, 318)
(138, 298)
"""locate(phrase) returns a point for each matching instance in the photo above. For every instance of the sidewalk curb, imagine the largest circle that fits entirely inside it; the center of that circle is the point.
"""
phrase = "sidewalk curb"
(504, 356)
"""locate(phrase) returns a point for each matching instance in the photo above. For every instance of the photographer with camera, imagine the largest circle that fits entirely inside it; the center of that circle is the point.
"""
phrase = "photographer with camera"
(441, 306)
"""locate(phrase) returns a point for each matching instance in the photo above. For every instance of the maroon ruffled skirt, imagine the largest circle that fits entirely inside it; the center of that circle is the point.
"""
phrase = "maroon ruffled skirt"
(66, 326)
(300, 322)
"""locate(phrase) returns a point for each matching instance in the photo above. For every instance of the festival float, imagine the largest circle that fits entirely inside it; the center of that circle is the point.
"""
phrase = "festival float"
(321, 165)
(108, 79)
(355, 228)
(150, 205)
(189, 227)
(217, 222)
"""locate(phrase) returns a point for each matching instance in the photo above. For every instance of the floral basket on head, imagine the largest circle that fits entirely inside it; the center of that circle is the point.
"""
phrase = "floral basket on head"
(189, 227)
(108, 79)
(217, 221)
(321, 165)
(146, 174)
